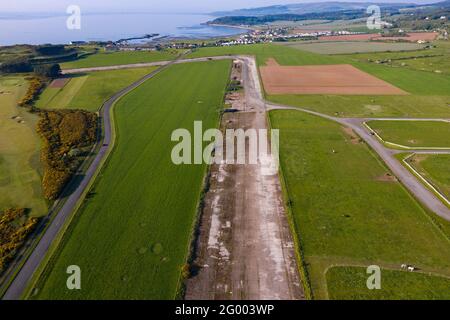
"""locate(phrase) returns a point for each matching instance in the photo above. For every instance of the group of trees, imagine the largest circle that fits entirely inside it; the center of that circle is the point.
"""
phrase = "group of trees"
(39, 61)
(50, 50)
(48, 70)
(18, 65)
(23, 65)
(66, 134)
(15, 226)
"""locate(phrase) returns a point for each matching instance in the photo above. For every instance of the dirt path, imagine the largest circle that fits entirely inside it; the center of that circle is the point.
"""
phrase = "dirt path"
(245, 249)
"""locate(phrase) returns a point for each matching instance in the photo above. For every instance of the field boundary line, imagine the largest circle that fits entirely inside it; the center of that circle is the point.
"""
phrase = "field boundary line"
(388, 143)
(425, 181)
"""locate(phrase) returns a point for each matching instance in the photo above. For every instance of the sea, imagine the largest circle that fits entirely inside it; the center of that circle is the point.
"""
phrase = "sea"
(51, 28)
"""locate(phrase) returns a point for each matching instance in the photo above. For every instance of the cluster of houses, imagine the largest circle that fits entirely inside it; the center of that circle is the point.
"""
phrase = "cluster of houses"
(271, 34)
(279, 34)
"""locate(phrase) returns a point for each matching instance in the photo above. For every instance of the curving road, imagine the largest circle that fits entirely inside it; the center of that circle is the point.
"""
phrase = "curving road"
(25, 274)
(417, 188)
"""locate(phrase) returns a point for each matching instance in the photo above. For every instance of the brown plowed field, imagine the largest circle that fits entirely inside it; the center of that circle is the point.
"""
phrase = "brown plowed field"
(59, 83)
(350, 37)
(341, 79)
(412, 37)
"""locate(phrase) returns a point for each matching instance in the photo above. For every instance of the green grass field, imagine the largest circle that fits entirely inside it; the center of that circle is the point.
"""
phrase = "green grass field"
(436, 59)
(103, 59)
(414, 133)
(283, 54)
(435, 168)
(346, 209)
(20, 179)
(89, 91)
(346, 47)
(350, 283)
(131, 237)
(370, 106)
(429, 91)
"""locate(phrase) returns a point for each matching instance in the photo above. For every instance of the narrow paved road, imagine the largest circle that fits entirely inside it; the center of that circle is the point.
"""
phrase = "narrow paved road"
(416, 187)
(20, 282)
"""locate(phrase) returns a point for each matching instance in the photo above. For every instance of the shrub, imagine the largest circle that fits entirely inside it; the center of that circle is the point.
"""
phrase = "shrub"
(64, 131)
(15, 226)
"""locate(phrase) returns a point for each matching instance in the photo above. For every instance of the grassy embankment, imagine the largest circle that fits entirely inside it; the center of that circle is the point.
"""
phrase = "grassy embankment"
(349, 212)
(20, 168)
(132, 235)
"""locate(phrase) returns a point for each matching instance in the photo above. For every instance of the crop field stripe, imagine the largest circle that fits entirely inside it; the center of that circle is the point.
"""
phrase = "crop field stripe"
(145, 220)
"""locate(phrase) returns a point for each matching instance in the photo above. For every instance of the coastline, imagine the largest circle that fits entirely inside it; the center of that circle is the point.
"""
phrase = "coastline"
(114, 28)
(231, 26)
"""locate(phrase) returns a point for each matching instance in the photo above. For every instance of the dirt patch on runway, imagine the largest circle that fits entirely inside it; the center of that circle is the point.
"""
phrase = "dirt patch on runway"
(387, 177)
(271, 62)
(244, 249)
(342, 79)
(354, 138)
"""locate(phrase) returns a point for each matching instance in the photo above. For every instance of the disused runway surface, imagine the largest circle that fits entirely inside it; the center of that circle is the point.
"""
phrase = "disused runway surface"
(245, 249)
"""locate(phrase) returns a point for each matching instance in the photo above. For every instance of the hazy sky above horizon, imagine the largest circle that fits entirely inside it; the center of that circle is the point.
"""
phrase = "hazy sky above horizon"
(154, 5)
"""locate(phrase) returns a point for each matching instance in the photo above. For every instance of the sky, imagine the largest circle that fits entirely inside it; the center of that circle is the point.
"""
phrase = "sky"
(157, 6)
